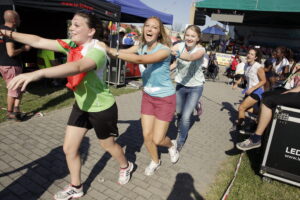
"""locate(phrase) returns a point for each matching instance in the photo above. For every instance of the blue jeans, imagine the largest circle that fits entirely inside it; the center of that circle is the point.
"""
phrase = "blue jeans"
(186, 101)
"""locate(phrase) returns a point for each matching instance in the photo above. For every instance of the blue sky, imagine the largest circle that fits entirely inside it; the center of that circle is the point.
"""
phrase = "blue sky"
(180, 9)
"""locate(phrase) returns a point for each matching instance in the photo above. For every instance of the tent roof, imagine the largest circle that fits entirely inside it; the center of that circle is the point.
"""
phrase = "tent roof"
(137, 11)
(213, 30)
(252, 5)
(266, 13)
(101, 8)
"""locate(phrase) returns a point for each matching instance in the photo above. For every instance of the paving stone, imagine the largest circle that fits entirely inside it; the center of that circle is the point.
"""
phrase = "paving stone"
(37, 144)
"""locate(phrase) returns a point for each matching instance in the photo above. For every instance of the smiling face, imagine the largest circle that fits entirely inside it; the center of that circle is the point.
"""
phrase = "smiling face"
(251, 56)
(151, 30)
(80, 31)
(191, 38)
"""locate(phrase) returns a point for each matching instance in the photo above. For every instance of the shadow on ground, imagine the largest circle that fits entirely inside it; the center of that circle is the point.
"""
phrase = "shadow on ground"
(40, 174)
(184, 188)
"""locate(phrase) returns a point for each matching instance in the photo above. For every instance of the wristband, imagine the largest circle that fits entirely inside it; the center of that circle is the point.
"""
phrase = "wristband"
(117, 54)
(10, 35)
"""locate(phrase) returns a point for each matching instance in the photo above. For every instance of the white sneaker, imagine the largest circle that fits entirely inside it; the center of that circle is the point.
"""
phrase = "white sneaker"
(174, 154)
(69, 192)
(125, 174)
(151, 168)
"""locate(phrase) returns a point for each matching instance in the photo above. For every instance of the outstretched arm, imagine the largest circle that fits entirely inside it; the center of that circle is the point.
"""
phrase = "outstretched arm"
(31, 40)
(83, 65)
(296, 89)
(158, 56)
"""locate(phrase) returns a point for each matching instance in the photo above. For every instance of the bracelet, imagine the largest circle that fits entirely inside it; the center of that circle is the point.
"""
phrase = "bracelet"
(10, 35)
(117, 53)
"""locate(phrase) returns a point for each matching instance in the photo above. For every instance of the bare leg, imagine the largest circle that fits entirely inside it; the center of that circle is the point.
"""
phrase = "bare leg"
(147, 125)
(10, 103)
(115, 150)
(245, 105)
(264, 119)
(159, 133)
(73, 138)
(17, 104)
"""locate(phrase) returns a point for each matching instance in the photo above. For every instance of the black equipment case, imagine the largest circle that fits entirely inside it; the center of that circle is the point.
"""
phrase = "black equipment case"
(281, 159)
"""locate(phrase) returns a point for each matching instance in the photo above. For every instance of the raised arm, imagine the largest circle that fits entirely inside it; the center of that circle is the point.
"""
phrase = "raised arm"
(131, 56)
(187, 56)
(83, 65)
(31, 40)
(191, 57)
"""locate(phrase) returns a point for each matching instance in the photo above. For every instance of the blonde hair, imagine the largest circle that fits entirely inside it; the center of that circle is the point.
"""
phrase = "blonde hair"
(162, 37)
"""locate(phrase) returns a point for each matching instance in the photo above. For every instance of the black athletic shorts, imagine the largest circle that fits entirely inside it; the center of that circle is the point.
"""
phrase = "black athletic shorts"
(103, 122)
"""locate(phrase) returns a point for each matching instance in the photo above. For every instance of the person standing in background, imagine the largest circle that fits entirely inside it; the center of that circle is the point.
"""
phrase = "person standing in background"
(10, 63)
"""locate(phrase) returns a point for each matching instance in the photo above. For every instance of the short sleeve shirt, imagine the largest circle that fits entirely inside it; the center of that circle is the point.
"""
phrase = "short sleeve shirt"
(5, 60)
(92, 94)
(156, 77)
(279, 67)
(190, 73)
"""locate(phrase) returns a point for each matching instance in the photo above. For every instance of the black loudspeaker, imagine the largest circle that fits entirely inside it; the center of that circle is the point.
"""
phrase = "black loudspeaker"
(282, 154)
(199, 18)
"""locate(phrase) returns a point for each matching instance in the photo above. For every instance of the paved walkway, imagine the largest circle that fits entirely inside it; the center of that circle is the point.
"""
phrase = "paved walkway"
(32, 164)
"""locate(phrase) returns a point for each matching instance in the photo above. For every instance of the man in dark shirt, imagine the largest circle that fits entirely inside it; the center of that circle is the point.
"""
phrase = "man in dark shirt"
(10, 64)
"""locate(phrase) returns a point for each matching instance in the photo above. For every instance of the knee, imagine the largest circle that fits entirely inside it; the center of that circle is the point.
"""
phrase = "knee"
(157, 142)
(241, 108)
(69, 150)
(148, 138)
(107, 146)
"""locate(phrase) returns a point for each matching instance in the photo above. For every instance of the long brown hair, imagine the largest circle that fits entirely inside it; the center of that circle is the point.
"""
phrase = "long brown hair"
(162, 37)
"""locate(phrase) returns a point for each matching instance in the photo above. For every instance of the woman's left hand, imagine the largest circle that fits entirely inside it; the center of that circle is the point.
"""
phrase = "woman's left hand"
(249, 91)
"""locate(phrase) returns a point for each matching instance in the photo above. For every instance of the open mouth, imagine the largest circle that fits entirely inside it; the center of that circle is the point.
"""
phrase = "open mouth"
(149, 35)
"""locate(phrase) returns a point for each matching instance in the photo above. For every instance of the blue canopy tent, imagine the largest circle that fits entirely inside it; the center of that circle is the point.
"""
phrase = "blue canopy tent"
(213, 31)
(135, 11)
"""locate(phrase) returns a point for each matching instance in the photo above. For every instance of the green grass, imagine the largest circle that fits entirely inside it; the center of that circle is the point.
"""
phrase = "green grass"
(249, 184)
(40, 97)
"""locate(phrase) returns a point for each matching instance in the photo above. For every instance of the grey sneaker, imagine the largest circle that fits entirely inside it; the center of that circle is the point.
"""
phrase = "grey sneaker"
(151, 168)
(69, 192)
(174, 154)
(248, 144)
(124, 175)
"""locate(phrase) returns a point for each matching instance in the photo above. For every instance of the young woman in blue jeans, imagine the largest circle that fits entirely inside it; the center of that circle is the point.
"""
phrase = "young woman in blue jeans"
(189, 78)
